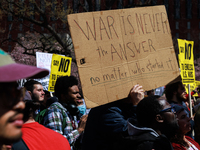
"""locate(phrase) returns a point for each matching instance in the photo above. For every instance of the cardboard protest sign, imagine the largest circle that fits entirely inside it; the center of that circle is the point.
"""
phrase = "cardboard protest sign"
(60, 66)
(117, 49)
(186, 63)
(43, 60)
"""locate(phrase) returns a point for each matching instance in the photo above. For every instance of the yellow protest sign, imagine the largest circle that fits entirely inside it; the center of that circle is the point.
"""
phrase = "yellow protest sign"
(192, 87)
(186, 61)
(197, 83)
(60, 66)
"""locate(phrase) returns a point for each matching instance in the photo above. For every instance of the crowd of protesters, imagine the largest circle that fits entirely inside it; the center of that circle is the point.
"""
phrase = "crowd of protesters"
(31, 118)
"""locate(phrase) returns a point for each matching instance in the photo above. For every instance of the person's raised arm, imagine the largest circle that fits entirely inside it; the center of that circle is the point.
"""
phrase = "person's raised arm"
(136, 94)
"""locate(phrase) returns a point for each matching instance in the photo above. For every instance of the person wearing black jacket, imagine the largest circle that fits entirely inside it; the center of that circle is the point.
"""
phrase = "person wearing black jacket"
(157, 123)
(107, 124)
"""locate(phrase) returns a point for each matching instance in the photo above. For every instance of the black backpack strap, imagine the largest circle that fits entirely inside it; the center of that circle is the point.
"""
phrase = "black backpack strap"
(20, 145)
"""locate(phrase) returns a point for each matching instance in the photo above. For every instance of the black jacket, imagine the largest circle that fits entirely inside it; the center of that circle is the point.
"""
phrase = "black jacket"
(106, 125)
(145, 139)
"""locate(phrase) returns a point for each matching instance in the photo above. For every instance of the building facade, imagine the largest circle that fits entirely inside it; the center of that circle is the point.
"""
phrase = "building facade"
(183, 15)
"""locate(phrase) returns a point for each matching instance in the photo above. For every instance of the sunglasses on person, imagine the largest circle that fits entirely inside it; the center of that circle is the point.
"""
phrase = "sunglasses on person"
(170, 109)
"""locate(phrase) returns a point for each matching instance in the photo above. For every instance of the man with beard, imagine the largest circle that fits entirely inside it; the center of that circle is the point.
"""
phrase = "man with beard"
(175, 93)
(157, 123)
(11, 104)
(35, 89)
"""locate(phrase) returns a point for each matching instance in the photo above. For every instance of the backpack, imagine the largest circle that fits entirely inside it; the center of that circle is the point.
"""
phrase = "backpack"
(40, 117)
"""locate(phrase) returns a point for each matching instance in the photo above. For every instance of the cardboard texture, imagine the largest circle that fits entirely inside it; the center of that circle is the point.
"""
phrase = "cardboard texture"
(117, 49)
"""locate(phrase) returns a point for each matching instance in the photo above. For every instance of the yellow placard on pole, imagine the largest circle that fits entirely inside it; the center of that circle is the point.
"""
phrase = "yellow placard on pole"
(197, 83)
(186, 62)
(192, 87)
(60, 66)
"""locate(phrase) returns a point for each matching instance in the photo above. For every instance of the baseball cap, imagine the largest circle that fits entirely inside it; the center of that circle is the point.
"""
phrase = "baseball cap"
(178, 108)
(11, 71)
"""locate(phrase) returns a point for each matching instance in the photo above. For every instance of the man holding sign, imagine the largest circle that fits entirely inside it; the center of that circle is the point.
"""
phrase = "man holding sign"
(107, 124)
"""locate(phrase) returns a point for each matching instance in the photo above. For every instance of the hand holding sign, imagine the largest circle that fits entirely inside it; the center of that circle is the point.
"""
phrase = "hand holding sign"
(136, 94)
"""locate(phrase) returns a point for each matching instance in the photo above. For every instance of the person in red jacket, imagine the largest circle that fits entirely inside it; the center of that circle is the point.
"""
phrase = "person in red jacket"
(37, 137)
(180, 141)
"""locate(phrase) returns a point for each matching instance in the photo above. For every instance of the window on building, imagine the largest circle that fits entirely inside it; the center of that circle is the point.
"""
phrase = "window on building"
(188, 36)
(199, 9)
(98, 5)
(120, 4)
(10, 6)
(154, 2)
(75, 6)
(42, 28)
(67, 11)
(65, 5)
(199, 35)
(53, 26)
(31, 5)
(189, 9)
(10, 27)
(166, 3)
(20, 27)
(177, 9)
(31, 27)
(87, 5)
(188, 25)
(177, 35)
(9, 37)
(42, 3)
(21, 4)
(177, 25)
(9, 17)
(197, 52)
(64, 26)
(53, 8)
(9, 48)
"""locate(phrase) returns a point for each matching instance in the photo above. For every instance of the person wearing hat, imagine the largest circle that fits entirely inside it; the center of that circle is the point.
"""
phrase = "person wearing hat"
(11, 103)
(180, 140)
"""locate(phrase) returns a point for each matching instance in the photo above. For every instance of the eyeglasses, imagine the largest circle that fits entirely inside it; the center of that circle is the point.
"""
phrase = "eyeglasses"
(170, 109)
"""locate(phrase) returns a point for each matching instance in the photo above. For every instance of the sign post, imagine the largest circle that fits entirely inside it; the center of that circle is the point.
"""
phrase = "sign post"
(186, 62)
